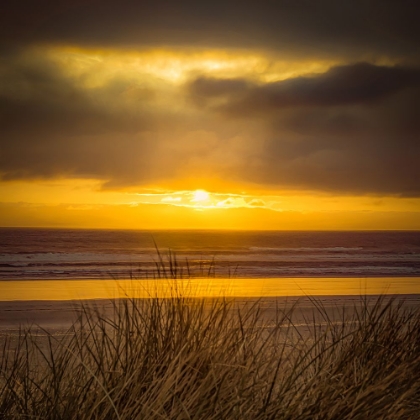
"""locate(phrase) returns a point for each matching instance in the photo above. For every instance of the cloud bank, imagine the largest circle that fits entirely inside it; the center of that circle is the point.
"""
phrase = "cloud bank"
(351, 128)
(291, 27)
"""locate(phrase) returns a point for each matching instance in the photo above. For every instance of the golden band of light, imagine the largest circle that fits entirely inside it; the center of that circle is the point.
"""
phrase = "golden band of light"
(207, 287)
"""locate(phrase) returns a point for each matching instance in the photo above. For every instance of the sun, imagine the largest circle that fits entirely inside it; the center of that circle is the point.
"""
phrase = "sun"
(200, 196)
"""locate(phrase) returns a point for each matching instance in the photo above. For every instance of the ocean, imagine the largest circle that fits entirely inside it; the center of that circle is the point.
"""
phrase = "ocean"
(35, 254)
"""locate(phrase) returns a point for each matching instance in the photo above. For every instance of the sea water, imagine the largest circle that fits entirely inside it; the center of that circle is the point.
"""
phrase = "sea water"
(35, 254)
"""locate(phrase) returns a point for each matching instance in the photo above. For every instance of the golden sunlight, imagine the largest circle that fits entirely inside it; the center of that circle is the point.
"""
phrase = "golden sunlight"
(98, 67)
(200, 196)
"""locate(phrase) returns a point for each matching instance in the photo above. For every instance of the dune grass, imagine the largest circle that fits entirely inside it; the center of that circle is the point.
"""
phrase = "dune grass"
(183, 358)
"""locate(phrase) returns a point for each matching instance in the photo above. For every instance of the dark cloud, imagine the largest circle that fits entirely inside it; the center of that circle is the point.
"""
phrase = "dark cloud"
(50, 126)
(298, 27)
(355, 149)
(217, 92)
(35, 94)
(360, 83)
(353, 129)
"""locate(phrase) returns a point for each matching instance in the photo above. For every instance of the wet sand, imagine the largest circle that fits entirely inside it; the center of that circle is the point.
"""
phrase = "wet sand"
(51, 290)
(55, 304)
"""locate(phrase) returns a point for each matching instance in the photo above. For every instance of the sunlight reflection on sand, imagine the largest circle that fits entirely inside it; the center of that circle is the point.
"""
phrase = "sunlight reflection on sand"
(205, 287)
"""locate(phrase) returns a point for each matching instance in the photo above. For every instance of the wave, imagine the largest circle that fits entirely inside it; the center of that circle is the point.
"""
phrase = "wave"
(307, 249)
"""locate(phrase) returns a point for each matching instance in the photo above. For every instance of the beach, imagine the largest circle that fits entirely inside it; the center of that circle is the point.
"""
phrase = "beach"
(54, 302)
(44, 273)
(56, 305)
(316, 295)
(158, 322)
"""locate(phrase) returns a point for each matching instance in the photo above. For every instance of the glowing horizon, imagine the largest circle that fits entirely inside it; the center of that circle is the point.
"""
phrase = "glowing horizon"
(82, 203)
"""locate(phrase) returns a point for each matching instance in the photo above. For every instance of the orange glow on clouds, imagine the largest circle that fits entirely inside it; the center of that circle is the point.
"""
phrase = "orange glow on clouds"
(98, 67)
(194, 194)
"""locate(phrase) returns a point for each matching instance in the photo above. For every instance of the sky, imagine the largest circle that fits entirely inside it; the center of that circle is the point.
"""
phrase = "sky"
(286, 114)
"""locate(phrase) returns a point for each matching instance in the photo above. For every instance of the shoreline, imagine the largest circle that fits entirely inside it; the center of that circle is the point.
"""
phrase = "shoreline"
(327, 276)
